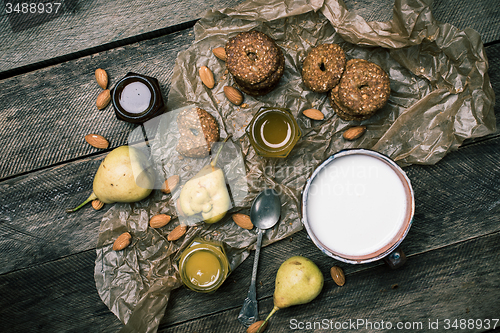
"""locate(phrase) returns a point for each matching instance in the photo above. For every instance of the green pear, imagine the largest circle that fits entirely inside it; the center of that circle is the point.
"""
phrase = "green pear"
(298, 281)
(206, 193)
(123, 176)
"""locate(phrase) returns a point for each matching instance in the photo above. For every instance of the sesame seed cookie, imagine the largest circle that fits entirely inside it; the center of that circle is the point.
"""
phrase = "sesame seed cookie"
(323, 67)
(252, 57)
(198, 130)
(364, 87)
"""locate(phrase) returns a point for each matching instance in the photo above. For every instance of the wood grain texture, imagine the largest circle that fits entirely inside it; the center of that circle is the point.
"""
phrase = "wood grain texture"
(457, 200)
(82, 25)
(458, 281)
(56, 297)
(34, 226)
(85, 24)
(46, 114)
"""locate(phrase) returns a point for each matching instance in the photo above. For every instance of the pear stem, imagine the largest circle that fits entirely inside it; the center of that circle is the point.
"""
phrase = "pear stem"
(89, 199)
(267, 318)
(214, 161)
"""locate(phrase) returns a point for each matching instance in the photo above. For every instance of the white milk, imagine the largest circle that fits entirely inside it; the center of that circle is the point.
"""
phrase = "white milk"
(356, 205)
(135, 97)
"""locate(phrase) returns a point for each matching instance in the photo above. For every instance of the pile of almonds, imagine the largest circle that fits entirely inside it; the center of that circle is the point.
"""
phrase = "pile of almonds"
(104, 97)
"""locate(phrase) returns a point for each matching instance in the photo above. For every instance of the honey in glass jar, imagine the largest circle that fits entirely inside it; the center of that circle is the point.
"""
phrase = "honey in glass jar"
(204, 266)
(273, 132)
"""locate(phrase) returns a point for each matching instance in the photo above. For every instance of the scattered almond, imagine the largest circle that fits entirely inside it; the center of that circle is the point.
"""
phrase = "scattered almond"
(159, 220)
(122, 241)
(313, 114)
(101, 78)
(354, 133)
(233, 95)
(220, 53)
(337, 275)
(207, 77)
(177, 233)
(170, 184)
(97, 204)
(254, 328)
(97, 141)
(243, 221)
(103, 99)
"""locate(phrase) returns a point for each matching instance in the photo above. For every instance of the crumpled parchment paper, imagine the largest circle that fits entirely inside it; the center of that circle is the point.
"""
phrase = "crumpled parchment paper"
(441, 95)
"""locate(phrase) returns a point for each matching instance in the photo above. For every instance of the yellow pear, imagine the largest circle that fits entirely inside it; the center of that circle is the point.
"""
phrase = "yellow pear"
(123, 176)
(298, 281)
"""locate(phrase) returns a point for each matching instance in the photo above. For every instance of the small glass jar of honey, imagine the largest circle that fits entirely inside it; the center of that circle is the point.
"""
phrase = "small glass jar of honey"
(204, 266)
(137, 98)
(273, 132)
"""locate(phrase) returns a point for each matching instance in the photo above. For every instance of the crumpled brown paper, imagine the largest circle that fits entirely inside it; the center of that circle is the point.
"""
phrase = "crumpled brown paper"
(440, 96)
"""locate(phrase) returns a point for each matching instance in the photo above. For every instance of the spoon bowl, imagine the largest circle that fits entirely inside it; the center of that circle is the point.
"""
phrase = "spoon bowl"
(266, 209)
(264, 214)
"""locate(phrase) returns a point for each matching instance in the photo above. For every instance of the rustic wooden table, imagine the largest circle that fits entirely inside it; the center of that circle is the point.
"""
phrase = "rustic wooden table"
(47, 95)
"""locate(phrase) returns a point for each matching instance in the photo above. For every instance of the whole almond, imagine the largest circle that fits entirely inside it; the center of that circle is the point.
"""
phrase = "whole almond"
(97, 141)
(122, 241)
(103, 99)
(97, 204)
(101, 77)
(313, 114)
(354, 133)
(254, 328)
(177, 233)
(159, 220)
(337, 275)
(233, 95)
(220, 53)
(243, 221)
(207, 77)
(170, 184)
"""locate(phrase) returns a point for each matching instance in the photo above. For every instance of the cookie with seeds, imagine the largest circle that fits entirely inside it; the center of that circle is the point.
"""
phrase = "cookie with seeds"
(267, 85)
(364, 88)
(255, 61)
(323, 67)
(198, 130)
(341, 110)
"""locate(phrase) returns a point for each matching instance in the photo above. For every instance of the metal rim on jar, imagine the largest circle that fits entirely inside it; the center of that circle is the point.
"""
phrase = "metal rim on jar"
(119, 88)
(401, 235)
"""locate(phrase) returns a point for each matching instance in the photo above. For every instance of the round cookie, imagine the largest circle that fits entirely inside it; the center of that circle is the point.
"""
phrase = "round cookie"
(198, 130)
(323, 67)
(364, 87)
(252, 57)
(268, 84)
(341, 110)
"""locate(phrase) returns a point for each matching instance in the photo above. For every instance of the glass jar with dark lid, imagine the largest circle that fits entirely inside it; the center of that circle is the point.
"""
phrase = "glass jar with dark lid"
(137, 98)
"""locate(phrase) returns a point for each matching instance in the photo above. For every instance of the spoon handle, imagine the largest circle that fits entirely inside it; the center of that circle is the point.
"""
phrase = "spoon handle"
(249, 312)
(256, 259)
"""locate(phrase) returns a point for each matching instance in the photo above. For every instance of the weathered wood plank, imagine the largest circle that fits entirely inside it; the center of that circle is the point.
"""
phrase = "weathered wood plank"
(59, 296)
(80, 25)
(455, 282)
(46, 114)
(456, 200)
